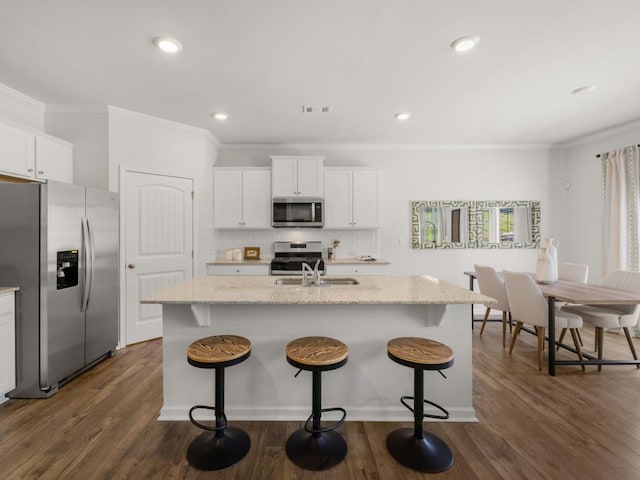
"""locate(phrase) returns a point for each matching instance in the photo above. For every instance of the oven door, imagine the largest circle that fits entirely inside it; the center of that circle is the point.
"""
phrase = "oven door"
(297, 212)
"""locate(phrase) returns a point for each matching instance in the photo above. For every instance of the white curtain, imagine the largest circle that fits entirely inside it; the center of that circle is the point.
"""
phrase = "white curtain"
(621, 171)
(522, 224)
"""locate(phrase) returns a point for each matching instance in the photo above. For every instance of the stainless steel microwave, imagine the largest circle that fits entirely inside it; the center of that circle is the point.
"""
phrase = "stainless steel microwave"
(298, 212)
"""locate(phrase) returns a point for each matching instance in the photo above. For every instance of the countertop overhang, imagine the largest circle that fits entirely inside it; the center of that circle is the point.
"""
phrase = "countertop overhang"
(371, 290)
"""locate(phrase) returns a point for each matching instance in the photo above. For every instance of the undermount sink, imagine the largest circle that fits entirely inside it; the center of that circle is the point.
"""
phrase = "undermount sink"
(324, 282)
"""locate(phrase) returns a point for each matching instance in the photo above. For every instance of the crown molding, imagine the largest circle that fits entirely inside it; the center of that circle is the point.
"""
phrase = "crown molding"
(94, 108)
(20, 97)
(599, 135)
(385, 147)
(163, 122)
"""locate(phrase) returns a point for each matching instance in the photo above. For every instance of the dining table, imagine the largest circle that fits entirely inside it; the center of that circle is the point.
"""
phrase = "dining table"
(578, 293)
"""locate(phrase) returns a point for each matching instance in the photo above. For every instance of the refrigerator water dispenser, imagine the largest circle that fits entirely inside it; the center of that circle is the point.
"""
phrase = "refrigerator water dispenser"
(67, 269)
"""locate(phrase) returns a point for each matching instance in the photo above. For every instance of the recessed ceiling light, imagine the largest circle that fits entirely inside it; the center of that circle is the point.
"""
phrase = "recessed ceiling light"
(466, 43)
(167, 44)
(585, 89)
(220, 115)
(403, 115)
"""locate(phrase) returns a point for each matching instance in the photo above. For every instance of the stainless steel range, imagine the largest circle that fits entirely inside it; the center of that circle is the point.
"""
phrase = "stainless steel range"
(289, 257)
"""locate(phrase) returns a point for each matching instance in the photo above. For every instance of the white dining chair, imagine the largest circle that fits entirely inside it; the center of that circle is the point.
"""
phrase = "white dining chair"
(612, 316)
(529, 306)
(492, 285)
(572, 272)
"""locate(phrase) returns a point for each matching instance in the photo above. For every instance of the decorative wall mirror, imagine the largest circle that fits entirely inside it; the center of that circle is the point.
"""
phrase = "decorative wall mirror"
(475, 224)
(438, 224)
(505, 224)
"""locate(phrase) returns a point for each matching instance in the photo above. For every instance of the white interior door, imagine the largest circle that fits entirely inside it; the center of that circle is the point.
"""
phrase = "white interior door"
(158, 245)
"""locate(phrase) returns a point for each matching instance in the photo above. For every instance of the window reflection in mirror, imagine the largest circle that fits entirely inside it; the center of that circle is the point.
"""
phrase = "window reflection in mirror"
(438, 224)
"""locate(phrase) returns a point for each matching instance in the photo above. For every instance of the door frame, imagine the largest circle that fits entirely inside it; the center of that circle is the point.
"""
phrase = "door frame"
(122, 337)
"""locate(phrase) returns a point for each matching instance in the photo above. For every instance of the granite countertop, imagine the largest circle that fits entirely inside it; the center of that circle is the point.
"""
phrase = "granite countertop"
(4, 290)
(355, 261)
(376, 289)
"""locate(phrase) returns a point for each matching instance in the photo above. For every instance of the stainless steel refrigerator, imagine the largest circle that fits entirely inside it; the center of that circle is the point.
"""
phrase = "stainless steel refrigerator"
(59, 245)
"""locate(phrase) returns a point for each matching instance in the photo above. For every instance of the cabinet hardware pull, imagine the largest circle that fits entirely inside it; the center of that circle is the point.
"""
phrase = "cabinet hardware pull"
(132, 265)
(29, 169)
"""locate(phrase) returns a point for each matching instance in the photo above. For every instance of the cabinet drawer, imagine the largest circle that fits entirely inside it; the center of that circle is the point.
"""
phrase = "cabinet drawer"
(238, 269)
(356, 269)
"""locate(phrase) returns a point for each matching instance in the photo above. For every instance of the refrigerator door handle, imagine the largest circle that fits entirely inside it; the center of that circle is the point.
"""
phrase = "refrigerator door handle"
(89, 256)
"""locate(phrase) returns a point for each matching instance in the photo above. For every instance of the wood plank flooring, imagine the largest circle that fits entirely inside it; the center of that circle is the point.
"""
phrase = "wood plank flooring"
(578, 425)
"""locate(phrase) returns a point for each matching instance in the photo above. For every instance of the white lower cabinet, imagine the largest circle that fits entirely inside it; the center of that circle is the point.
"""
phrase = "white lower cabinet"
(7, 344)
(243, 269)
(355, 269)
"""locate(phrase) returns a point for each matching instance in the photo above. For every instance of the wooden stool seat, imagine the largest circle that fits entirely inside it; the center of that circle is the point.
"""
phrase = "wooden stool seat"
(417, 352)
(315, 447)
(413, 447)
(218, 350)
(219, 446)
(322, 353)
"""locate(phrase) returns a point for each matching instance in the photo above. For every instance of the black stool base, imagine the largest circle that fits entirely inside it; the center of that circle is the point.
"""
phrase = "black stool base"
(208, 452)
(429, 454)
(316, 452)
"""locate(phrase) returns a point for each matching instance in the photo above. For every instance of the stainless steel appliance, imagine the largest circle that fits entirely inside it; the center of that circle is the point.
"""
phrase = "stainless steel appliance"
(59, 244)
(289, 257)
(297, 212)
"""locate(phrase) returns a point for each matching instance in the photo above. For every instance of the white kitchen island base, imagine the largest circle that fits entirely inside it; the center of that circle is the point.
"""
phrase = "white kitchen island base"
(263, 387)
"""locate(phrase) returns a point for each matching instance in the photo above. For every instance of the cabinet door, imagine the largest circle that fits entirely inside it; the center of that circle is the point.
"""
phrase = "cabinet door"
(17, 152)
(310, 177)
(256, 198)
(366, 199)
(337, 199)
(284, 177)
(7, 345)
(54, 160)
(227, 199)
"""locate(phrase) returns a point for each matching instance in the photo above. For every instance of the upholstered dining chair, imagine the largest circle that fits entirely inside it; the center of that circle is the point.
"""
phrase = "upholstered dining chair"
(492, 285)
(572, 272)
(529, 306)
(612, 316)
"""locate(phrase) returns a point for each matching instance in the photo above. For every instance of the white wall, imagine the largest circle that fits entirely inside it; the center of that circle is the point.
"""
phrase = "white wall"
(581, 236)
(422, 173)
(88, 129)
(144, 143)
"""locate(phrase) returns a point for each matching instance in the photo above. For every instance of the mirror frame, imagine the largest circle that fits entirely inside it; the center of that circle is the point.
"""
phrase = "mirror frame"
(416, 207)
(475, 209)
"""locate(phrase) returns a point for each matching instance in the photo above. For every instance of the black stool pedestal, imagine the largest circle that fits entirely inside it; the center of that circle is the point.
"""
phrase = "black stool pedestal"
(314, 447)
(413, 447)
(219, 446)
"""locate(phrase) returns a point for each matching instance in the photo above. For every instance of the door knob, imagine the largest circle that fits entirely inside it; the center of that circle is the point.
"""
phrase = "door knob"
(132, 265)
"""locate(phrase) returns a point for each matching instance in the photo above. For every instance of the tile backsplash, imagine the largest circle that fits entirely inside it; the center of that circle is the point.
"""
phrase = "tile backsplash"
(352, 242)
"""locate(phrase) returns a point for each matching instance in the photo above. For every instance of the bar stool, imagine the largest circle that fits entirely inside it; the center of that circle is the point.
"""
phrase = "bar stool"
(415, 448)
(314, 447)
(220, 446)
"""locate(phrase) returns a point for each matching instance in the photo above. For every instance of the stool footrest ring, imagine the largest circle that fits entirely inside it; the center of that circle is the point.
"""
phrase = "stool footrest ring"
(330, 427)
(203, 426)
(426, 415)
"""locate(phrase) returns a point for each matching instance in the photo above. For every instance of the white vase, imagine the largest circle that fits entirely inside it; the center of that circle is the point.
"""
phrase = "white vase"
(552, 245)
(544, 269)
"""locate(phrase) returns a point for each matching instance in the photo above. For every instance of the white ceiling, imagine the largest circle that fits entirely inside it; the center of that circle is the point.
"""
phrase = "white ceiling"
(262, 60)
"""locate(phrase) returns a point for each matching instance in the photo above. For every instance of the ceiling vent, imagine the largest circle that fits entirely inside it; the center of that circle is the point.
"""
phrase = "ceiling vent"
(316, 109)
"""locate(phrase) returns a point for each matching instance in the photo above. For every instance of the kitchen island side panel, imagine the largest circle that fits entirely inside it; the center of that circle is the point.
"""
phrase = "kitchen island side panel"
(263, 387)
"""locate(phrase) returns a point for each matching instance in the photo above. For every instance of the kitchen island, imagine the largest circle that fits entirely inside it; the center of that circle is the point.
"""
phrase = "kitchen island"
(364, 316)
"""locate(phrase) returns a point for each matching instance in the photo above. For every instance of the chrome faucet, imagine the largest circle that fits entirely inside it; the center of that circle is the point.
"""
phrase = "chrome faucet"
(315, 274)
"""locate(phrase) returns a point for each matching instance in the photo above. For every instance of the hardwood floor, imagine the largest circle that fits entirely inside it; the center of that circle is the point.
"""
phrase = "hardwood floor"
(578, 425)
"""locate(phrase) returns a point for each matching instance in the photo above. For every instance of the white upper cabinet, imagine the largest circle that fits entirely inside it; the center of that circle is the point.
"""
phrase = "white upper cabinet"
(17, 152)
(35, 156)
(242, 197)
(297, 175)
(351, 198)
(54, 159)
